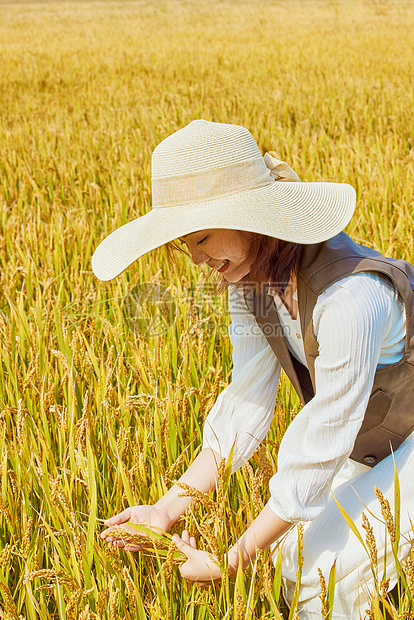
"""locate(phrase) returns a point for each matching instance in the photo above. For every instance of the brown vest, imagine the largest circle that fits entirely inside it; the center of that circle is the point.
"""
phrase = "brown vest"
(389, 417)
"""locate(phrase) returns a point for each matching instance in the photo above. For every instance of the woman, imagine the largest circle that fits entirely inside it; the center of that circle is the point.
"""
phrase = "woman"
(337, 317)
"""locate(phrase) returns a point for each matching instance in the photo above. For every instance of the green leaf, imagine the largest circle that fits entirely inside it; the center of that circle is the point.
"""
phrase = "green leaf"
(350, 522)
(165, 537)
(376, 609)
(229, 467)
(390, 608)
(331, 590)
(295, 599)
(156, 533)
(240, 577)
(277, 582)
(397, 506)
(90, 536)
(272, 602)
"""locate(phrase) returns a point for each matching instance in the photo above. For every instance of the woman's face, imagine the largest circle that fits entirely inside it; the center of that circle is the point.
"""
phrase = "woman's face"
(227, 251)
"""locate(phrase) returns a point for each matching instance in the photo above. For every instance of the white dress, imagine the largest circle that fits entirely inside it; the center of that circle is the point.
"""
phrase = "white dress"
(359, 323)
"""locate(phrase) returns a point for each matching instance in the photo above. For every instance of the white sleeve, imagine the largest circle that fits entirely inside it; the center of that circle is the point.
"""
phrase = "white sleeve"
(352, 321)
(244, 410)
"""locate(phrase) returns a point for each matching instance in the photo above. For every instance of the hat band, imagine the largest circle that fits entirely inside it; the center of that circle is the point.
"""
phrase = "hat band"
(193, 188)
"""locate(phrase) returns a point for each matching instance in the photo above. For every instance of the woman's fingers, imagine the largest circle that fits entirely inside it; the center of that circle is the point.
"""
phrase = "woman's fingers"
(119, 518)
(182, 545)
(190, 540)
(200, 566)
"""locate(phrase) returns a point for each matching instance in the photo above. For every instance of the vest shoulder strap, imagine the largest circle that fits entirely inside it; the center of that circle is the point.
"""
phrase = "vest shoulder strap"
(326, 263)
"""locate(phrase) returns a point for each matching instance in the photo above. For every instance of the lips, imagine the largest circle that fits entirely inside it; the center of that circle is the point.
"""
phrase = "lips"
(222, 266)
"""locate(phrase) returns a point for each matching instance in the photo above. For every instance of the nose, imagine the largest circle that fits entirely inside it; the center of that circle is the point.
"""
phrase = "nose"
(198, 257)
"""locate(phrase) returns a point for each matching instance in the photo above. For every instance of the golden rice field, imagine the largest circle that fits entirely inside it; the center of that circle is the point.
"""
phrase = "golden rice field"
(97, 413)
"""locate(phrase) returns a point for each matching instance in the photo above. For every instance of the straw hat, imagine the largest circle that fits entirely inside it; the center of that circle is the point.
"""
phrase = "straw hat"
(212, 175)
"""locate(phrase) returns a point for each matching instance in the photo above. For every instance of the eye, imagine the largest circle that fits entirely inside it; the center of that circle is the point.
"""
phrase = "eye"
(201, 241)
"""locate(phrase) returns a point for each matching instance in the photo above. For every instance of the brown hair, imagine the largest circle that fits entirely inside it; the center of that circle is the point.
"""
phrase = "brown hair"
(275, 261)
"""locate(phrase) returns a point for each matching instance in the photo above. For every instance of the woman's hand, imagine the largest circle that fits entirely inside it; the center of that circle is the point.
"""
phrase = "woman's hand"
(150, 516)
(201, 566)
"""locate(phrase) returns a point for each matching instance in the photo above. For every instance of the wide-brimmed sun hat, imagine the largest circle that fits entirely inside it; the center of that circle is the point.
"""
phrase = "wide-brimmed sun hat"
(212, 175)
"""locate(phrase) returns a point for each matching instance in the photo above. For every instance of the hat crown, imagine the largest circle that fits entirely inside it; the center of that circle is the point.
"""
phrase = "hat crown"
(203, 145)
(203, 161)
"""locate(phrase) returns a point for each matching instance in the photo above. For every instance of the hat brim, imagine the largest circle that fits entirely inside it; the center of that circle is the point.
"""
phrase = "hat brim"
(298, 212)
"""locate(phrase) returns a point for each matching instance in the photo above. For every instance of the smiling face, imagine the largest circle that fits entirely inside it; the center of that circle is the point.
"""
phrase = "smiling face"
(227, 251)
